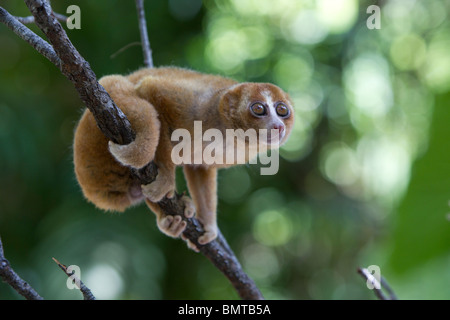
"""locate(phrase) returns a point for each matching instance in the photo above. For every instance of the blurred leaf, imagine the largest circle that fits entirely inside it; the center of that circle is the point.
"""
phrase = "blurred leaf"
(422, 227)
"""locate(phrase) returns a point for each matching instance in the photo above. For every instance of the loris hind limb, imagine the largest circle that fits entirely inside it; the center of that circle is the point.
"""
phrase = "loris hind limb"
(157, 102)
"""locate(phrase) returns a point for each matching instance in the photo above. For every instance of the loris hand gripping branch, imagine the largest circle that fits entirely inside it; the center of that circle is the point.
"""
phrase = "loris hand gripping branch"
(157, 102)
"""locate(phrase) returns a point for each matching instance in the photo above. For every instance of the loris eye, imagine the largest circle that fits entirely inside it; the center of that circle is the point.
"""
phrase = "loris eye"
(282, 110)
(258, 109)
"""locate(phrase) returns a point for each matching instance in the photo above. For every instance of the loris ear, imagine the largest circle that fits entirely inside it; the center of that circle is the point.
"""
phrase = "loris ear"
(229, 103)
(231, 99)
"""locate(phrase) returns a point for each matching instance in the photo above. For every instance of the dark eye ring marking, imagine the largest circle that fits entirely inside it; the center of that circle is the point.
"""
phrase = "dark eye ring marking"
(282, 110)
(258, 109)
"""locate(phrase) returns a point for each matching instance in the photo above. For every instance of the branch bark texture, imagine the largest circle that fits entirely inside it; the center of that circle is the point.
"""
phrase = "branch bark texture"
(85, 291)
(114, 123)
(378, 285)
(116, 127)
(8, 275)
(147, 52)
(29, 36)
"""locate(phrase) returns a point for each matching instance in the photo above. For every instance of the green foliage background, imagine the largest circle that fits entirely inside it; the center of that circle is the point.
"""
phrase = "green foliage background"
(364, 179)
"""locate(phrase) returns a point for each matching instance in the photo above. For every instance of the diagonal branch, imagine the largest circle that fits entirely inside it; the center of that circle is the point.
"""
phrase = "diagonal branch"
(8, 275)
(113, 124)
(87, 294)
(217, 251)
(29, 36)
(378, 285)
(116, 127)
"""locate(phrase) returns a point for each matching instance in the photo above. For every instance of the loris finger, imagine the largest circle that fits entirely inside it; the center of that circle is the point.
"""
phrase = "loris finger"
(189, 207)
(172, 226)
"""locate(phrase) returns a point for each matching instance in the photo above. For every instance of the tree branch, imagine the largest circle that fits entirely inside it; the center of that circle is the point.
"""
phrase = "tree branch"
(217, 251)
(30, 19)
(113, 122)
(29, 36)
(116, 127)
(146, 50)
(378, 285)
(87, 294)
(9, 276)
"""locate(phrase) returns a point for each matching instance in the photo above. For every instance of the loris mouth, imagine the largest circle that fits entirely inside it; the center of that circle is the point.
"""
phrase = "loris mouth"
(273, 137)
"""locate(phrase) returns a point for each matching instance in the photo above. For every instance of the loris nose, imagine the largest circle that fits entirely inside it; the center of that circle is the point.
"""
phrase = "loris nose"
(279, 127)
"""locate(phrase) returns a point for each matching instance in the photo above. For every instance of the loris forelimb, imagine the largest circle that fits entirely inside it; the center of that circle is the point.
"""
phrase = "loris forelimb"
(158, 102)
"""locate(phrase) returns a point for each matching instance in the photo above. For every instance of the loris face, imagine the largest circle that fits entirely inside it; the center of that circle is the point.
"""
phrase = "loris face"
(261, 106)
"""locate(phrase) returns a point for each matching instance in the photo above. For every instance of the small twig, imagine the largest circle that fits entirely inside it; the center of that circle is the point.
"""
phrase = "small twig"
(30, 19)
(87, 294)
(114, 124)
(29, 36)
(132, 44)
(8, 275)
(116, 127)
(378, 285)
(146, 50)
(387, 287)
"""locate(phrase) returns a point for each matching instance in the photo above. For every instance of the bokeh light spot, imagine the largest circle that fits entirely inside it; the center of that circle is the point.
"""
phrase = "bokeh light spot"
(272, 228)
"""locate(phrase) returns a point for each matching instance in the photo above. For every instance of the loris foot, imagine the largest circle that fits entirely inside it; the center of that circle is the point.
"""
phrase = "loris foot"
(189, 211)
(172, 226)
(164, 185)
(130, 154)
(209, 235)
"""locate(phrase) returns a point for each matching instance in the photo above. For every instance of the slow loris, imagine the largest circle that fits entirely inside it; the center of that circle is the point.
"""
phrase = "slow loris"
(158, 102)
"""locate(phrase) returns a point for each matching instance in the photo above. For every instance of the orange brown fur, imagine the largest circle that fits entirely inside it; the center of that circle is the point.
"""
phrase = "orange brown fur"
(157, 101)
